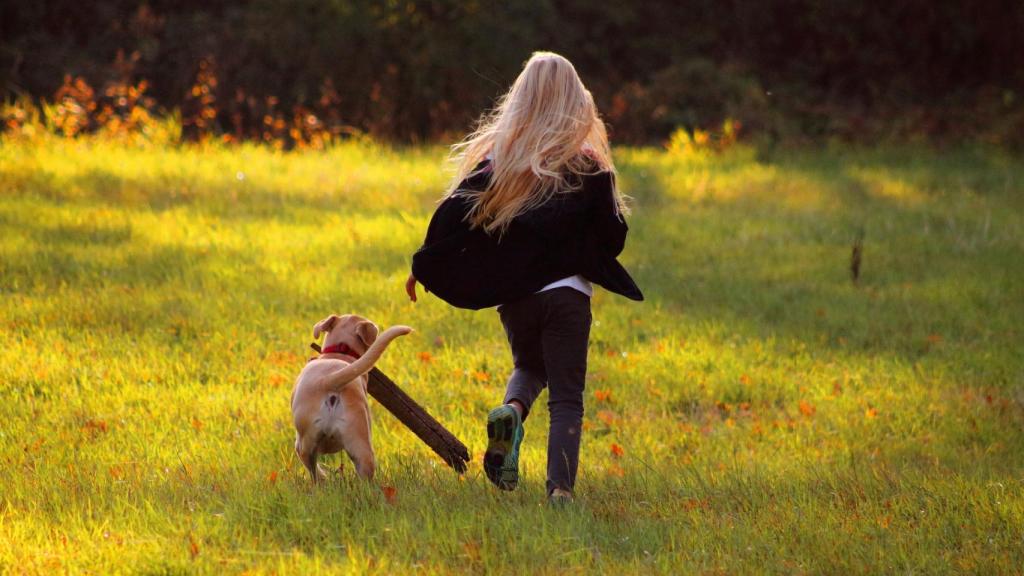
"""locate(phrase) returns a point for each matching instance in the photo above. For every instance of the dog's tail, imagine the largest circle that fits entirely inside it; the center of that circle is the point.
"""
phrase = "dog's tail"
(364, 363)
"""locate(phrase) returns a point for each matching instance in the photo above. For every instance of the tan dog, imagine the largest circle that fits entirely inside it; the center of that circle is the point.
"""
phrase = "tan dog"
(329, 399)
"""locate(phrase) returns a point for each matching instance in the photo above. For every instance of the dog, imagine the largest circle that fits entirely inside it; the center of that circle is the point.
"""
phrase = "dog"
(328, 402)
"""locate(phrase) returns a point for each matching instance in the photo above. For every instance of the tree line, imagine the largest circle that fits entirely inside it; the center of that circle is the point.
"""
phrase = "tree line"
(424, 70)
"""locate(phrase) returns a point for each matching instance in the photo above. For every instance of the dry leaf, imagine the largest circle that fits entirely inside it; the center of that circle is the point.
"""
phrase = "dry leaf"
(606, 416)
(617, 450)
(390, 493)
(806, 408)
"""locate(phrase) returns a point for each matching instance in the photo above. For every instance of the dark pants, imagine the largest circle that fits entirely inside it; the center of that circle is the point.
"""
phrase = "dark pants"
(548, 333)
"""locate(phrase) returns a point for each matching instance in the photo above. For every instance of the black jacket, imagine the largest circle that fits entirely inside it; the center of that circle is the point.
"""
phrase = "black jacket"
(578, 232)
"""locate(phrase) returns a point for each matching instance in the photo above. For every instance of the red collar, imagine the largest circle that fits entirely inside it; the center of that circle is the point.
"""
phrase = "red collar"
(340, 348)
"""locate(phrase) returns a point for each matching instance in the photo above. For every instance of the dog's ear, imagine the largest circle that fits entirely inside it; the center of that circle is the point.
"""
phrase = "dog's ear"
(324, 325)
(367, 332)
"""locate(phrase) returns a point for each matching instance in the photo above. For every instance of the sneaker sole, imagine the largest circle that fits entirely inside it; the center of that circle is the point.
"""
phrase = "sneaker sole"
(499, 466)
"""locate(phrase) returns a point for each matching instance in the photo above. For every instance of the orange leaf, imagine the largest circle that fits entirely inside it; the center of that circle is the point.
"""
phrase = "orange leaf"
(193, 546)
(481, 376)
(272, 477)
(94, 427)
(745, 380)
(806, 408)
(390, 493)
(603, 395)
(606, 416)
(276, 380)
(870, 413)
(426, 357)
(196, 423)
(616, 470)
(617, 450)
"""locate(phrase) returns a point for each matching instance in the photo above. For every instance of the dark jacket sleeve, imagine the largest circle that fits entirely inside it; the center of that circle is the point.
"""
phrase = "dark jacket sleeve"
(447, 219)
(607, 226)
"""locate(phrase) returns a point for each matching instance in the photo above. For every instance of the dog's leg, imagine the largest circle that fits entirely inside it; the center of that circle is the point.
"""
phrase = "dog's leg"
(358, 444)
(363, 459)
(312, 464)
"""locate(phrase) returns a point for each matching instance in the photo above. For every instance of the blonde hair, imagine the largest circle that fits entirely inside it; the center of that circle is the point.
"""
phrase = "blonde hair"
(543, 129)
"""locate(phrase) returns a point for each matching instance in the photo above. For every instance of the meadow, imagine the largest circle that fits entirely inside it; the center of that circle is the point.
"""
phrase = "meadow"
(760, 412)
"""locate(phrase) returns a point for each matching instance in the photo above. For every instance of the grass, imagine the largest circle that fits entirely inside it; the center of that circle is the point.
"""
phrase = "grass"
(758, 413)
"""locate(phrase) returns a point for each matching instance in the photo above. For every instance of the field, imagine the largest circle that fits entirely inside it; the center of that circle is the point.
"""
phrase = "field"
(760, 412)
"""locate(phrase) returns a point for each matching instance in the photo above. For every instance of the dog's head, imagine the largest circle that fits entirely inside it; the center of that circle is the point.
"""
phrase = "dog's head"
(354, 331)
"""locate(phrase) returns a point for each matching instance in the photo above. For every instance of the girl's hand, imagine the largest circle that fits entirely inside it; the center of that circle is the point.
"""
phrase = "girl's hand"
(410, 287)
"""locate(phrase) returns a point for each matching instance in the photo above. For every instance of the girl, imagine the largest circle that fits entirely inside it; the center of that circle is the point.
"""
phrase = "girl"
(531, 219)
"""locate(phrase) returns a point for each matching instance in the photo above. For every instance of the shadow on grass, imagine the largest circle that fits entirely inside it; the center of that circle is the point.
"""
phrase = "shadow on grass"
(766, 268)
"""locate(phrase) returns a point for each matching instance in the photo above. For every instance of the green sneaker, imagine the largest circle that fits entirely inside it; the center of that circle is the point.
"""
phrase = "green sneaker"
(504, 435)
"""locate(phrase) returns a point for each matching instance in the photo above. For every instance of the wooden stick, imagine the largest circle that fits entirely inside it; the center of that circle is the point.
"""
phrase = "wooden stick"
(408, 412)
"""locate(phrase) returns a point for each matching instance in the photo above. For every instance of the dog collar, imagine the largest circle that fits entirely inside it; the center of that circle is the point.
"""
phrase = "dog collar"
(340, 348)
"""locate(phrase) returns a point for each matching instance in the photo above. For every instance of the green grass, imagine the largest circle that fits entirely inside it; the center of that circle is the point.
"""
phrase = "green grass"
(156, 305)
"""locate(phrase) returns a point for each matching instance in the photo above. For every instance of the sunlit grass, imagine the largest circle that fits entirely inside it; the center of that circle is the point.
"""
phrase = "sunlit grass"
(758, 413)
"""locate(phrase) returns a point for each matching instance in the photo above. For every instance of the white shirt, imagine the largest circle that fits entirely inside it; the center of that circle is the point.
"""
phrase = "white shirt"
(576, 282)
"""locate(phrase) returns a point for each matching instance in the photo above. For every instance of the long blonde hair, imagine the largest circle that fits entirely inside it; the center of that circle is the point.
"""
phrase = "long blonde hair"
(543, 129)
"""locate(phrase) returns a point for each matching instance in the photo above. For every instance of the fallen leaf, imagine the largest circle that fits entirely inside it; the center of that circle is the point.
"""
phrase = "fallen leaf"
(616, 470)
(606, 416)
(806, 408)
(390, 493)
(193, 546)
(870, 413)
(272, 477)
(196, 423)
(745, 380)
(617, 450)
(604, 395)
(94, 427)
(481, 376)
(426, 357)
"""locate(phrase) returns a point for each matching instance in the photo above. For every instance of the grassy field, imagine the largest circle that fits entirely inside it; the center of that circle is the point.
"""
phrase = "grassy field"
(758, 413)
